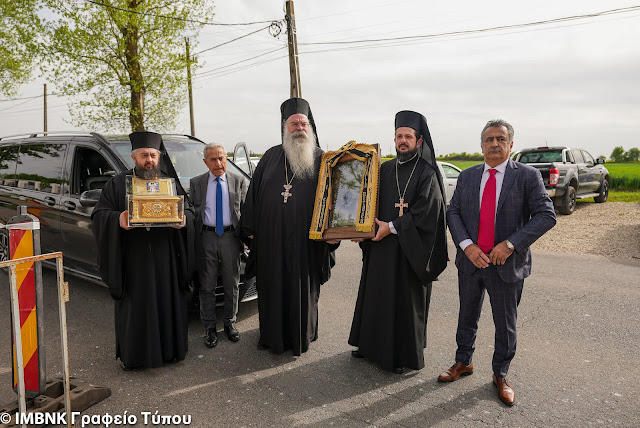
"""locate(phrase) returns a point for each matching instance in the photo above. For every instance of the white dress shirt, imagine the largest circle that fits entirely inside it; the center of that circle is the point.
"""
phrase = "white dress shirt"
(485, 176)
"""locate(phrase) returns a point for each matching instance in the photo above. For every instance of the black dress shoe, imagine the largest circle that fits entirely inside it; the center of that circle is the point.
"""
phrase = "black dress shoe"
(211, 338)
(232, 332)
(398, 370)
(262, 346)
(356, 354)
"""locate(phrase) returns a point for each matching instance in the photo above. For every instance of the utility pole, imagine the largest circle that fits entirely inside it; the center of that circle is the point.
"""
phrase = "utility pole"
(294, 65)
(45, 108)
(193, 126)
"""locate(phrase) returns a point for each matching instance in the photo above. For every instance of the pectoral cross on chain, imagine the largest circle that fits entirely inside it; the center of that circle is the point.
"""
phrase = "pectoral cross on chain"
(286, 192)
(402, 205)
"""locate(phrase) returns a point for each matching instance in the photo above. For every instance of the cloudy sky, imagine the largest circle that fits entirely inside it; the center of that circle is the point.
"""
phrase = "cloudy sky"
(570, 82)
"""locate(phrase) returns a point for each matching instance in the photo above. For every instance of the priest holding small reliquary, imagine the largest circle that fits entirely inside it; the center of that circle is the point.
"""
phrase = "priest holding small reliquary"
(408, 252)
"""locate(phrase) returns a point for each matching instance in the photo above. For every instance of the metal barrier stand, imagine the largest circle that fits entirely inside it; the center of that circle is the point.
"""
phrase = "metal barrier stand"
(63, 297)
(15, 312)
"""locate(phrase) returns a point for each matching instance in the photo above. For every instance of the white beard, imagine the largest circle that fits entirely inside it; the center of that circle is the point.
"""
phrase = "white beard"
(299, 148)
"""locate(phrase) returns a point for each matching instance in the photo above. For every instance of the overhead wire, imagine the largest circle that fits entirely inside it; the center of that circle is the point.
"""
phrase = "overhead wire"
(33, 109)
(22, 98)
(242, 68)
(238, 62)
(232, 40)
(460, 37)
(480, 30)
(194, 21)
(18, 105)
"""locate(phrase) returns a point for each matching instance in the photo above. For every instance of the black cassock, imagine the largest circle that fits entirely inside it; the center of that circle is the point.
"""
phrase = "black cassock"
(389, 323)
(147, 274)
(289, 267)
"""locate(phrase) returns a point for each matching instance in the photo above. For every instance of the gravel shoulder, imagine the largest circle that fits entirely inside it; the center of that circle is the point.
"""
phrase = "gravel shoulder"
(611, 229)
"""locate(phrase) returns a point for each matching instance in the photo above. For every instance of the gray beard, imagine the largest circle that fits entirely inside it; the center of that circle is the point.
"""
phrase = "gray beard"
(405, 156)
(300, 149)
(147, 174)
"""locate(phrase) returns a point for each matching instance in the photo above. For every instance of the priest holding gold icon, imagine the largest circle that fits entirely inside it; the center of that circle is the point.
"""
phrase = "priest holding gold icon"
(143, 255)
(408, 252)
(276, 215)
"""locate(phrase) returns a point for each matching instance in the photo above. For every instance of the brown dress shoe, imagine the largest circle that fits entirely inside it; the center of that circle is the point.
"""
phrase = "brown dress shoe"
(505, 392)
(456, 370)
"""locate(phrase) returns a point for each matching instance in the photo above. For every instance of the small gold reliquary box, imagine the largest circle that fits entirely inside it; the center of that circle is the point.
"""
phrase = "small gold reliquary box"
(153, 202)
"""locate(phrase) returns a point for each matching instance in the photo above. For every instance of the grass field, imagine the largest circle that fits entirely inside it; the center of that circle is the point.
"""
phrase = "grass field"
(624, 183)
(464, 164)
(619, 196)
(624, 176)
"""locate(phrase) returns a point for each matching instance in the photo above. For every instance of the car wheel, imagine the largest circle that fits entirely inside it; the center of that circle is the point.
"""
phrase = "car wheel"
(569, 202)
(604, 192)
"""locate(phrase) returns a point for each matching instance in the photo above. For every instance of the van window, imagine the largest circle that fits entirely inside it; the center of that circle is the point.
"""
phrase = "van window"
(8, 157)
(90, 170)
(40, 167)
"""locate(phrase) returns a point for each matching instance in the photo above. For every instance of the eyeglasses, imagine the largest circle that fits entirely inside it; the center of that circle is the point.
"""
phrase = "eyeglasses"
(304, 125)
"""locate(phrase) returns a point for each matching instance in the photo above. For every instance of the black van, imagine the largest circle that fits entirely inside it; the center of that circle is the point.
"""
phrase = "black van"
(59, 176)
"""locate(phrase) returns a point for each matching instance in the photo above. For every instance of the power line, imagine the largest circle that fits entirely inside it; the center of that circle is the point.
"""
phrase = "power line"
(23, 98)
(416, 42)
(346, 12)
(241, 68)
(34, 109)
(239, 62)
(277, 23)
(18, 105)
(194, 21)
(481, 30)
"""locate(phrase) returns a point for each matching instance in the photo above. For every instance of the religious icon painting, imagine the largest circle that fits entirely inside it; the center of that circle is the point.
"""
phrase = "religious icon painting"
(347, 193)
(346, 178)
(153, 187)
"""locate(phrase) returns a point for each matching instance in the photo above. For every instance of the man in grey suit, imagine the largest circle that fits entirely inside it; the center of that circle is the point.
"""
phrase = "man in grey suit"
(217, 197)
(498, 210)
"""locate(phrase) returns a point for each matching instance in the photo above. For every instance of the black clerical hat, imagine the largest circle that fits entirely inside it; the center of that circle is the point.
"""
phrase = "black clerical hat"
(152, 140)
(415, 120)
(298, 105)
(145, 139)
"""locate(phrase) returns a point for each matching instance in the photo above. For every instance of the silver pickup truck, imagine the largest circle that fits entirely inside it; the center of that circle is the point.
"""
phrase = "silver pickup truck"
(568, 175)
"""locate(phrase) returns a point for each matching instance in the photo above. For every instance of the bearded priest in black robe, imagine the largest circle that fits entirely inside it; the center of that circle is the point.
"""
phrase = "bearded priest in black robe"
(276, 217)
(408, 252)
(146, 269)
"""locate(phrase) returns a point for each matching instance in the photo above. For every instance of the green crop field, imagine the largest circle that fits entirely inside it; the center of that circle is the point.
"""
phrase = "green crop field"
(464, 164)
(624, 183)
(624, 176)
(624, 179)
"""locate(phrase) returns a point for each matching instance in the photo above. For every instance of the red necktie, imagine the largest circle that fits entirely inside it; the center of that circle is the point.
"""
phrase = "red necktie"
(486, 231)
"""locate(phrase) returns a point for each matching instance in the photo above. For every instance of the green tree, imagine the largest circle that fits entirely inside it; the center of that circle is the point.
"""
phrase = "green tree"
(633, 154)
(125, 59)
(617, 155)
(19, 30)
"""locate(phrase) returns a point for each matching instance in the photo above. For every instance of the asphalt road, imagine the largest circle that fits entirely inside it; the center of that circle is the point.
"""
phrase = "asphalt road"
(579, 330)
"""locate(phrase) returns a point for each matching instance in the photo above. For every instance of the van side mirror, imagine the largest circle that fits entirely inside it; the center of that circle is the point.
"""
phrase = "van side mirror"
(599, 161)
(90, 197)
